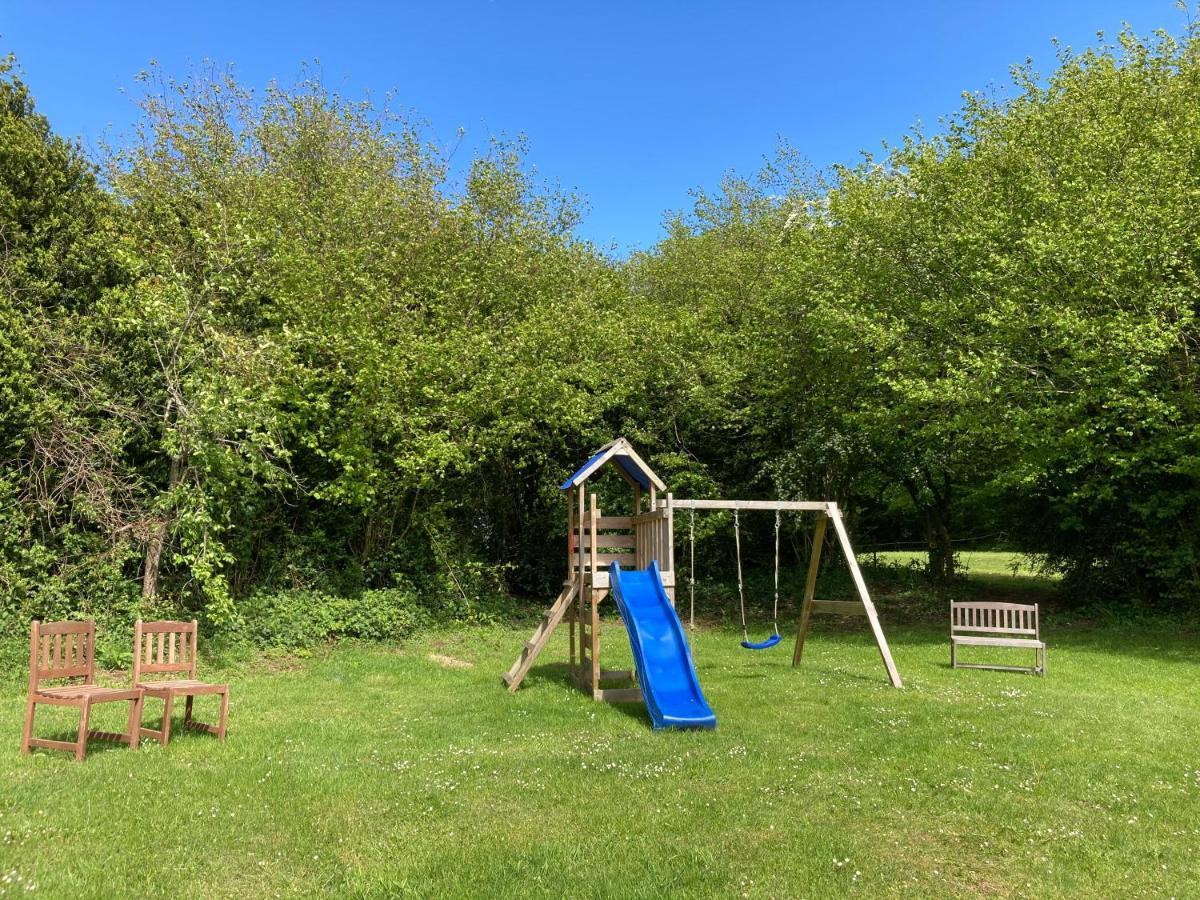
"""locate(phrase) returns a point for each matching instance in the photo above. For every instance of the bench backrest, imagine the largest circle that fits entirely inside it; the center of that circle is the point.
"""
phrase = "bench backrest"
(61, 650)
(993, 618)
(163, 647)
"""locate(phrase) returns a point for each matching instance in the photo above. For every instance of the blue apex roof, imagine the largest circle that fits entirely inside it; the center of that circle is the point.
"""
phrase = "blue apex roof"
(621, 453)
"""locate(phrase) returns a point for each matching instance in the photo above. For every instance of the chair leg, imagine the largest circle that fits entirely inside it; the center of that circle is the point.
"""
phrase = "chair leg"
(168, 702)
(135, 722)
(27, 734)
(224, 716)
(85, 712)
(187, 710)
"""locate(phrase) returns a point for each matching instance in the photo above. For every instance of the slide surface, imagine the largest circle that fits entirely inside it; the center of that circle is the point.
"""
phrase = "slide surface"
(660, 650)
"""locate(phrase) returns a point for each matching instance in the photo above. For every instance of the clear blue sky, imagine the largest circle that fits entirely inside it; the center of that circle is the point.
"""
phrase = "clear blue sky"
(632, 104)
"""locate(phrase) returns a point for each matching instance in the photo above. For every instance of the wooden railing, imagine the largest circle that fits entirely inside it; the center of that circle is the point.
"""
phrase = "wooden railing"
(654, 539)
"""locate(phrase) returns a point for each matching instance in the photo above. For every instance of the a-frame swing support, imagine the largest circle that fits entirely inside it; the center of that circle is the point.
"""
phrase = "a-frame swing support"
(810, 606)
(841, 607)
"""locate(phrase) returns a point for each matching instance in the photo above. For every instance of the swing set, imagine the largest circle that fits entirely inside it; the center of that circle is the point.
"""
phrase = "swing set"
(646, 539)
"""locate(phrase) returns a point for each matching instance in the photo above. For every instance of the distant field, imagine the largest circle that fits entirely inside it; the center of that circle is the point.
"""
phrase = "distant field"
(975, 562)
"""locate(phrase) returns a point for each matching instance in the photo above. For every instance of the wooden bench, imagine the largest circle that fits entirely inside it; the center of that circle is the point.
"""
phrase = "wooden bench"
(66, 650)
(164, 648)
(986, 624)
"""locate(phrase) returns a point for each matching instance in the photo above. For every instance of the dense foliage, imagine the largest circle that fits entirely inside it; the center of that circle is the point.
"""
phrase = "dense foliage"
(267, 353)
(990, 329)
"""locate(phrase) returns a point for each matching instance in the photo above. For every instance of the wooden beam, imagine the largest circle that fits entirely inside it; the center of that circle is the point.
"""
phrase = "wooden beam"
(611, 540)
(594, 600)
(839, 526)
(605, 523)
(810, 588)
(584, 596)
(620, 695)
(572, 530)
(780, 505)
(655, 481)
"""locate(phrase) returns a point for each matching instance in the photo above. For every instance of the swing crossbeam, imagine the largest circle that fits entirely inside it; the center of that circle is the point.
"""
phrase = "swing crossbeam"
(777, 505)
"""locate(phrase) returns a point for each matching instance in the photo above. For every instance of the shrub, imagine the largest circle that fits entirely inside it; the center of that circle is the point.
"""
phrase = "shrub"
(298, 619)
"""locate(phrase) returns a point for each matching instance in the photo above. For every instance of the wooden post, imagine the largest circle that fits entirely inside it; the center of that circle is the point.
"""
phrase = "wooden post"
(593, 596)
(839, 526)
(584, 584)
(810, 588)
(669, 528)
(571, 538)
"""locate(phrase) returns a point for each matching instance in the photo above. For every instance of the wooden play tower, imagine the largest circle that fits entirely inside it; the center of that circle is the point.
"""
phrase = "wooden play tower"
(595, 540)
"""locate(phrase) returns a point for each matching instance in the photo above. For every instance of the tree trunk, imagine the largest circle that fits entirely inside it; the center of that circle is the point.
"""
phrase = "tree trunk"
(933, 501)
(157, 539)
(154, 549)
(940, 565)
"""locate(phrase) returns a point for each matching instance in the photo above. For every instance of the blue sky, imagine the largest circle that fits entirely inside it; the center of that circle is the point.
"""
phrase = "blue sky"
(632, 104)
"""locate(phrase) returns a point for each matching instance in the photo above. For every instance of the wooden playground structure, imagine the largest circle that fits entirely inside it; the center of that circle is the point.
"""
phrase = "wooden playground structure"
(595, 540)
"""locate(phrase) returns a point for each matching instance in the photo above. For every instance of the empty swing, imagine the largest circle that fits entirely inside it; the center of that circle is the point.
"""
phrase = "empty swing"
(776, 637)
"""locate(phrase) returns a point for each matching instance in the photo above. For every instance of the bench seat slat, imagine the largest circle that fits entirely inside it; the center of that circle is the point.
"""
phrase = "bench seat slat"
(1032, 643)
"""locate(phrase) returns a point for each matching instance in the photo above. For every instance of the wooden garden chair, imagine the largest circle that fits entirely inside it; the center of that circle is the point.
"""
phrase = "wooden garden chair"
(66, 650)
(161, 648)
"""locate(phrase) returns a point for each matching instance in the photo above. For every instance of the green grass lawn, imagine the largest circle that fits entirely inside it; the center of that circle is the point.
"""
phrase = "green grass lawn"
(371, 772)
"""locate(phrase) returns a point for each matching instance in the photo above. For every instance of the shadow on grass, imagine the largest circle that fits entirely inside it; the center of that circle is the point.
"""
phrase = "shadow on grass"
(1158, 642)
(548, 673)
(559, 674)
(94, 745)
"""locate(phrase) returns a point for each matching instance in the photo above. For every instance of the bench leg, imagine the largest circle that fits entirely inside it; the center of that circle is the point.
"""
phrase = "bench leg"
(187, 710)
(224, 716)
(953, 655)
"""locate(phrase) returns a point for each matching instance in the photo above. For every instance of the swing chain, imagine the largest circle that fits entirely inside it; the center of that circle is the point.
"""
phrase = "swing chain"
(775, 620)
(692, 571)
(737, 538)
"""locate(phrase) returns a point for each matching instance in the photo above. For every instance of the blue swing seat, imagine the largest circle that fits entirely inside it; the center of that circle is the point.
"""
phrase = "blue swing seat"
(763, 645)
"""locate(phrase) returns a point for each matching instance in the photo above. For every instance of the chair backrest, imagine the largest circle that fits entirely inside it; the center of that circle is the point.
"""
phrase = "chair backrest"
(61, 650)
(993, 618)
(163, 647)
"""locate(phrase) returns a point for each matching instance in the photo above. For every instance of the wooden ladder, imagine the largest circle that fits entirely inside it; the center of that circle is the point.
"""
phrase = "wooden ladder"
(541, 636)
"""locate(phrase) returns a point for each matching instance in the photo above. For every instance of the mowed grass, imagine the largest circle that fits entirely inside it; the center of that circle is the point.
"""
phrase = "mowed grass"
(371, 772)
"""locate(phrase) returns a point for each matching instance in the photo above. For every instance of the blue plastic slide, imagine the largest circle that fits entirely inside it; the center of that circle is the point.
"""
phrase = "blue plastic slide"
(660, 650)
